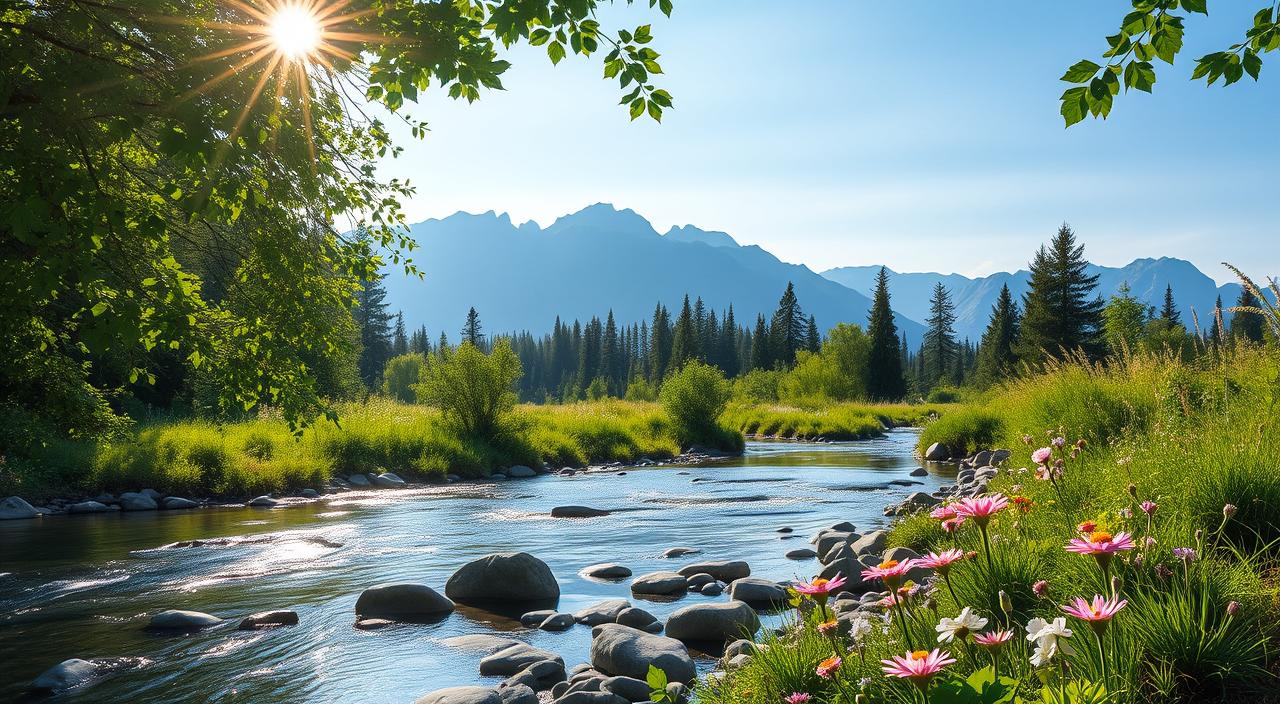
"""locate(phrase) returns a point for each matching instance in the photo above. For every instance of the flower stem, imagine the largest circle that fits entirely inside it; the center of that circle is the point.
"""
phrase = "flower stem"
(1102, 655)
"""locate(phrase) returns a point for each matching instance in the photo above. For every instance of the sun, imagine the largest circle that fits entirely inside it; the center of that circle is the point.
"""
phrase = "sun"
(295, 31)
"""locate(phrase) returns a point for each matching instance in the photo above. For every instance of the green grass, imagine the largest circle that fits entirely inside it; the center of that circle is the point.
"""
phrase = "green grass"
(828, 421)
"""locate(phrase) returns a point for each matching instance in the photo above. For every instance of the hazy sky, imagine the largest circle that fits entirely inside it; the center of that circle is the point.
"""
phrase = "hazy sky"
(923, 135)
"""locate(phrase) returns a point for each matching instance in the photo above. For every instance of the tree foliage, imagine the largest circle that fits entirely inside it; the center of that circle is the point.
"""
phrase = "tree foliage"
(884, 380)
(997, 356)
(474, 390)
(1061, 311)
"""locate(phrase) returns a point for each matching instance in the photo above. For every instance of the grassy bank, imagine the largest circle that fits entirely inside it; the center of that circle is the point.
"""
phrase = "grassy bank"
(1198, 625)
(829, 421)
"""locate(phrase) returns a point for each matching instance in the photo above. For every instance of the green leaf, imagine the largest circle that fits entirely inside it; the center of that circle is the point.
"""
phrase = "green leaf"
(1200, 6)
(1074, 105)
(656, 677)
(539, 36)
(1252, 64)
(655, 111)
(644, 34)
(555, 51)
(637, 108)
(98, 309)
(1082, 71)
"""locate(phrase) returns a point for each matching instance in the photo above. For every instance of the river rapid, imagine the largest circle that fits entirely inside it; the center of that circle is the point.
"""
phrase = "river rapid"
(84, 586)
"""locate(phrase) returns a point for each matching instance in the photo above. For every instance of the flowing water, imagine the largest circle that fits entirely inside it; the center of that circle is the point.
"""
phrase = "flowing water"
(83, 586)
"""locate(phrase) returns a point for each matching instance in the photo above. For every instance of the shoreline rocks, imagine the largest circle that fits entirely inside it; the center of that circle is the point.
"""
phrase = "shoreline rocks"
(718, 623)
(620, 650)
(268, 619)
(723, 570)
(661, 583)
(16, 508)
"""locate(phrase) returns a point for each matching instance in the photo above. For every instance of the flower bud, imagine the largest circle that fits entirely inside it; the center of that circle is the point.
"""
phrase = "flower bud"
(1228, 511)
(1232, 608)
(1116, 584)
(1040, 588)
(1006, 604)
(1133, 490)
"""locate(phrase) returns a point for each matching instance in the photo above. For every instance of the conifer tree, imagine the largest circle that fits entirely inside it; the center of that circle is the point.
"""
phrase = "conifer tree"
(684, 338)
(442, 345)
(1061, 311)
(471, 330)
(659, 345)
(884, 380)
(419, 343)
(1217, 326)
(612, 365)
(1169, 312)
(1245, 325)
(940, 338)
(374, 325)
(728, 343)
(399, 341)
(812, 338)
(787, 328)
(761, 358)
(996, 357)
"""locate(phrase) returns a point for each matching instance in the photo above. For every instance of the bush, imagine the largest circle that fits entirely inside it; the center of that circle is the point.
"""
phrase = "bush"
(758, 386)
(475, 391)
(400, 376)
(964, 430)
(641, 390)
(694, 398)
(943, 394)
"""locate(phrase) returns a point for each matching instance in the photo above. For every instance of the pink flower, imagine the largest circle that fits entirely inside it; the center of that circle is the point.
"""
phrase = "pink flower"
(828, 667)
(982, 508)
(1058, 441)
(951, 525)
(1097, 612)
(1233, 608)
(919, 666)
(820, 587)
(1100, 543)
(941, 561)
(796, 698)
(1150, 542)
(1148, 507)
(890, 571)
(1187, 555)
(993, 639)
(943, 512)
(1040, 588)
(1042, 455)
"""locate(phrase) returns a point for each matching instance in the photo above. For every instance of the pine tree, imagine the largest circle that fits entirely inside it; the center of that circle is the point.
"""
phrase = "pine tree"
(787, 328)
(419, 343)
(471, 330)
(812, 338)
(374, 325)
(1216, 327)
(1061, 312)
(761, 358)
(996, 357)
(1245, 325)
(442, 345)
(659, 345)
(729, 360)
(399, 341)
(684, 338)
(612, 365)
(940, 338)
(884, 380)
(1169, 312)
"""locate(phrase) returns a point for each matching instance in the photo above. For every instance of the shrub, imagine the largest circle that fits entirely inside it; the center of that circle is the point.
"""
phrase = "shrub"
(694, 398)
(641, 390)
(475, 391)
(758, 386)
(964, 430)
(401, 374)
(943, 394)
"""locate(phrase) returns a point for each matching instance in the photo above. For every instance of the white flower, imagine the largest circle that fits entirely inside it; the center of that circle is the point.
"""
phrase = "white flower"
(858, 629)
(967, 622)
(1050, 639)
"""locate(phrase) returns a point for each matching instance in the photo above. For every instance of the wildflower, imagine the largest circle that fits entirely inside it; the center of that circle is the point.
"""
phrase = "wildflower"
(890, 572)
(1050, 639)
(982, 508)
(1023, 503)
(1026, 439)
(1101, 544)
(1087, 527)
(941, 562)
(919, 666)
(828, 667)
(1187, 555)
(1148, 507)
(1150, 542)
(1042, 455)
(1228, 511)
(959, 628)
(796, 698)
(820, 587)
(1232, 608)
(864, 682)
(1125, 513)
(943, 512)
(1058, 441)
(827, 627)
(859, 628)
(993, 640)
(1006, 604)
(1040, 588)
(1096, 613)
(951, 525)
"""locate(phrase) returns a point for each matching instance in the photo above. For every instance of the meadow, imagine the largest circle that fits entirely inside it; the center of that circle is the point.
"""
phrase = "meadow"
(1166, 468)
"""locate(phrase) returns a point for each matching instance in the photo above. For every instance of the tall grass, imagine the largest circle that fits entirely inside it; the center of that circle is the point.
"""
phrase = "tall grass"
(824, 420)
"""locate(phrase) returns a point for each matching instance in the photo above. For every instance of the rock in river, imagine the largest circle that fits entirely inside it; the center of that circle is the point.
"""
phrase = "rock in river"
(636, 618)
(135, 501)
(461, 695)
(402, 602)
(179, 620)
(603, 612)
(758, 592)
(577, 512)
(723, 570)
(174, 503)
(387, 480)
(507, 577)
(521, 471)
(509, 661)
(15, 507)
(89, 507)
(713, 622)
(607, 570)
(801, 554)
(937, 452)
(263, 501)
(267, 619)
(678, 552)
(65, 675)
(557, 622)
(619, 650)
(659, 583)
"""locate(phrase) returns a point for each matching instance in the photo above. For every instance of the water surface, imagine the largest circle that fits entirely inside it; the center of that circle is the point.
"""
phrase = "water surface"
(84, 586)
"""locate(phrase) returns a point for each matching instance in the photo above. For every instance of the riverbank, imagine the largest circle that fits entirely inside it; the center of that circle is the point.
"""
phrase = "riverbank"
(826, 421)
(1173, 463)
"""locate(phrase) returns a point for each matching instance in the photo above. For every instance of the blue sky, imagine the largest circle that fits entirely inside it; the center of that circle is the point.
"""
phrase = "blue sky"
(921, 135)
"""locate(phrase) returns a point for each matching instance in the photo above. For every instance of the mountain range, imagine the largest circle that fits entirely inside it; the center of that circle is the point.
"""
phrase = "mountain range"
(521, 277)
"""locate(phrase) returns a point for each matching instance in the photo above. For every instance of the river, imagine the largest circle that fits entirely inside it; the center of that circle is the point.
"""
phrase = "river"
(84, 586)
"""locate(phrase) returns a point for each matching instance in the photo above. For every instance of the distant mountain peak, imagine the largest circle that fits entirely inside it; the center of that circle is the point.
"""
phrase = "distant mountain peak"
(690, 233)
(605, 219)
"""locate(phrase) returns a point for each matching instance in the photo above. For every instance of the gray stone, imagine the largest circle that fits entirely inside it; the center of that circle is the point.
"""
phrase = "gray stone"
(839, 551)
(534, 618)
(577, 512)
(677, 692)
(999, 456)
(603, 612)
(843, 527)
(179, 620)
(757, 592)
(581, 697)
(268, 619)
(920, 500)
(711, 589)
(136, 501)
(175, 503)
(678, 552)
(89, 507)
(981, 459)
(387, 480)
(521, 472)
(309, 493)
(479, 643)
(606, 570)
(629, 688)
(513, 659)
(784, 529)
(15, 507)
(871, 543)
(713, 622)
(402, 602)
(830, 539)
(510, 577)
(659, 583)
(262, 501)
(801, 554)
(699, 580)
(619, 650)
(371, 624)
(518, 694)
(937, 452)
(558, 622)
(723, 570)
(536, 676)
(67, 674)
(461, 695)
(738, 647)
(358, 480)
(737, 661)
(919, 472)
(452, 478)
(498, 477)
(152, 494)
(636, 618)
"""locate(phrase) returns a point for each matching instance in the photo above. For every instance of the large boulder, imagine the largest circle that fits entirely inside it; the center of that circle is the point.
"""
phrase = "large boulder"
(607, 570)
(358, 480)
(506, 577)
(16, 507)
(830, 540)
(513, 659)
(558, 622)
(758, 592)
(585, 697)
(67, 674)
(801, 554)
(402, 602)
(872, 543)
(636, 618)
(937, 452)
(723, 570)
(180, 620)
(263, 501)
(577, 512)
(659, 584)
(176, 503)
(137, 501)
(521, 471)
(387, 480)
(89, 507)
(603, 612)
(517, 694)
(713, 622)
(619, 650)
(629, 688)
(479, 643)
(461, 695)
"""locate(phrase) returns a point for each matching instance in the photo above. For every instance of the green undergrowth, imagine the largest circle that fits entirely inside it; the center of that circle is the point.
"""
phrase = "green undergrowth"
(827, 421)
